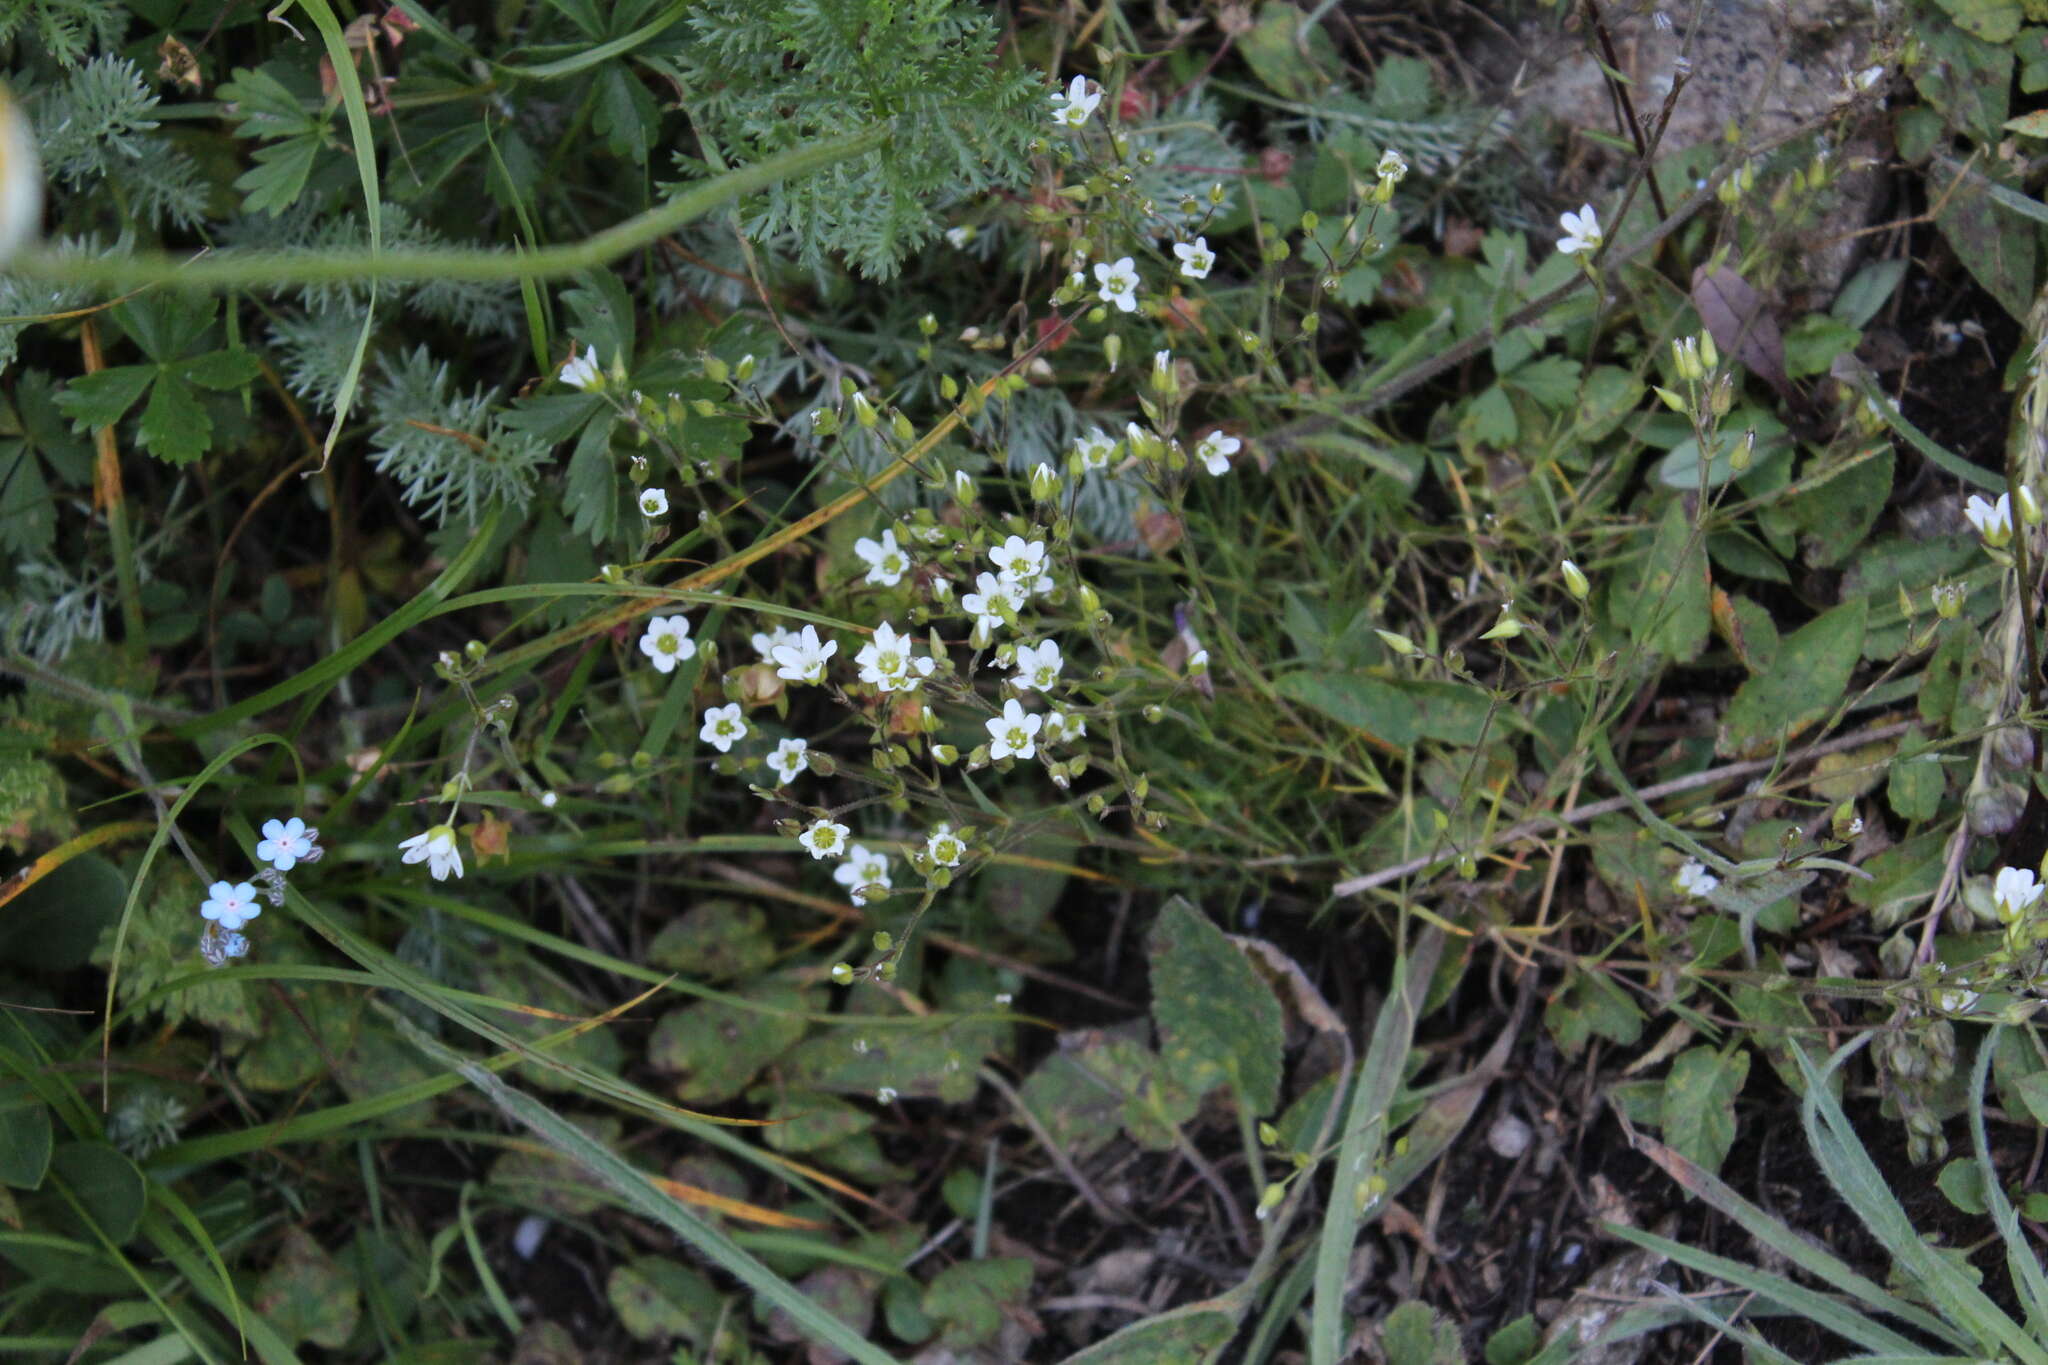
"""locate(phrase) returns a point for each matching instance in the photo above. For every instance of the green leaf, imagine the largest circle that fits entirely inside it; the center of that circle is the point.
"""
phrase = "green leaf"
(2032, 1090)
(307, 1295)
(1491, 418)
(222, 370)
(1218, 1021)
(1868, 290)
(1551, 380)
(719, 1046)
(623, 113)
(1414, 1334)
(1837, 514)
(166, 323)
(25, 1137)
(111, 1190)
(715, 941)
(28, 514)
(1915, 784)
(604, 316)
(1178, 1337)
(279, 176)
(1514, 1343)
(1591, 1004)
(1699, 1103)
(1809, 680)
(1293, 61)
(591, 493)
(1397, 713)
(1962, 1180)
(175, 427)
(99, 400)
(1611, 394)
(1998, 247)
(657, 1298)
(1994, 21)
(968, 1299)
(1668, 609)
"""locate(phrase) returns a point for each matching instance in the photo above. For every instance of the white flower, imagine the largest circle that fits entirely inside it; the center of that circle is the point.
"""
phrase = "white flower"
(1992, 520)
(886, 1095)
(2014, 891)
(230, 904)
(801, 657)
(1071, 107)
(723, 727)
(1955, 999)
(436, 848)
(582, 371)
(885, 559)
(1581, 231)
(286, 844)
(667, 642)
(1061, 727)
(1014, 732)
(862, 869)
(1214, 451)
(887, 662)
(653, 503)
(789, 759)
(1022, 562)
(1095, 449)
(21, 179)
(548, 800)
(1038, 666)
(984, 603)
(764, 642)
(1119, 281)
(1393, 166)
(944, 847)
(1196, 260)
(959, 237)
(824, 839)
(1693, 879)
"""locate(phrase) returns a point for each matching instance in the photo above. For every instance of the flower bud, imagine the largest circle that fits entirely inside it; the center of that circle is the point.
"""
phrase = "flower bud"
(864, 411)
(1045, 484)
(824, 422)
(1671, 400)
(745, 369)
(716, 370)
(1744, 454)
(1574, 579)
(1112, 350)
(2029, 509)
(1948, 600)
(964, 491)
(842, 974)
(1400, 644)
(1507, 627)
(1164, 381)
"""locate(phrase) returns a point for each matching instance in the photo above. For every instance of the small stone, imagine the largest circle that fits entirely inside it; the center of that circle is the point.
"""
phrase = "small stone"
(1509, 1137)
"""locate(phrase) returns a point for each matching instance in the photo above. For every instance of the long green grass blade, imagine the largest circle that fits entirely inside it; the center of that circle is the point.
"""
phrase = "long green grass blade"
(631, 1186)
(1365, 1141)
(2020, 1258)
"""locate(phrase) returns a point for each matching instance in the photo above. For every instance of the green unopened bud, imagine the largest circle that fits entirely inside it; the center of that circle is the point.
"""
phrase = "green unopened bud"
(1685, 358)
(1310, 221)
(928, 324)
(864, 411)
(1164, 381)
(1710, 355)
(1270, 1200)
(1507, 627)
(1154, 713)
(842, 974)
(1269, 1136)
(1676, 402)
(1744, 453)
(745, 369)
(2030, 510)
(476, 649)
(945, 755)
(824, 422)
(716, 370)
(1948, 600)
(1045, 484)
(949, 387)
(1112, 350)
(1574, 579)
(1400, 644)
(613, 574)
(964, 490)
(882, 941)
(1216, 192)
(900, 424)
(1090, 600)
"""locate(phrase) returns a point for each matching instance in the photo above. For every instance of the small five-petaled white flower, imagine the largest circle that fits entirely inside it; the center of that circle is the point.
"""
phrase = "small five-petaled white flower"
(824, 839)
(1061, 727)
(436, 848)
(1196, 260)
(667, 642)
(1022, 562)
(1693, 879)
(944, 847)
(582, 371)
(230, 904)
(1095, 449)
(1215, 449)
(286, 844)
(985, 604)
(653, 503)
(764, 641)
(2014, 892)
(791, 757)
(1014, 733)
(723, 727)
(885, 559)
(1119, 284)
(888, 663)
(1038, 666)
(863, 868)
(1993, 520)
(1581, 231)
(1072, 106)
(801, 657)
